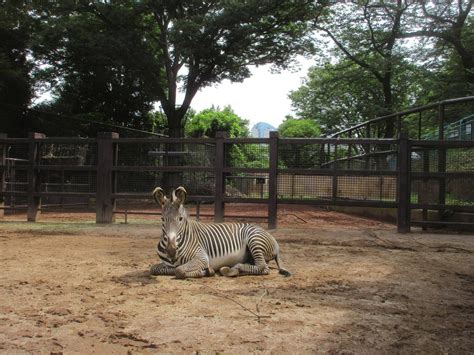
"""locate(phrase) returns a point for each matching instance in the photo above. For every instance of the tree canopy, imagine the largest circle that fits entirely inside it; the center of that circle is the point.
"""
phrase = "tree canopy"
(118, 57)
(209, 121)
(16, 88)
(383, 57)
(292, 128)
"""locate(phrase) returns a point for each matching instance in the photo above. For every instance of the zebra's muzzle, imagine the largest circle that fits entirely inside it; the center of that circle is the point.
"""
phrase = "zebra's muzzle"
(171, 250)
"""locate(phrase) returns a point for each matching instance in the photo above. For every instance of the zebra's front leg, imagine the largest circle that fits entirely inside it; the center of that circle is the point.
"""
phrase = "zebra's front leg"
(162, 269)
(196, 268)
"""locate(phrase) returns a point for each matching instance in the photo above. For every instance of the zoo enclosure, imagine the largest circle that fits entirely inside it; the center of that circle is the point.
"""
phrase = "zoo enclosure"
(417, 177)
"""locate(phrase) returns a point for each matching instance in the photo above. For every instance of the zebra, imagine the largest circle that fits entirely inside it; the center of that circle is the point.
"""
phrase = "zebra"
(189, 248)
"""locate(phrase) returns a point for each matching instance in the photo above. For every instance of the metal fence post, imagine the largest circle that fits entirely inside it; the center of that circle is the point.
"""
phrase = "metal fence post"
(273, 181)
(105, 204)
(403, 211)
(219, 206)
(34, 202)
(3, 156)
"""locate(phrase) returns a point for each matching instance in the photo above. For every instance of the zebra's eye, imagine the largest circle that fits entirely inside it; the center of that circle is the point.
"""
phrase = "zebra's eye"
(180, 219)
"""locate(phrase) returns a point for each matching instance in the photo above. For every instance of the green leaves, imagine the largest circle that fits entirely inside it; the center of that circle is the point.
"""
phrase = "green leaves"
(209, 121)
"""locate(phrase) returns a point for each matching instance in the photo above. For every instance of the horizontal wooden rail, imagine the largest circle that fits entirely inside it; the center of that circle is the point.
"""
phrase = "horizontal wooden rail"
(142, 168)
(337, 172)
(338, 202)
(339, 141)
(438, 207)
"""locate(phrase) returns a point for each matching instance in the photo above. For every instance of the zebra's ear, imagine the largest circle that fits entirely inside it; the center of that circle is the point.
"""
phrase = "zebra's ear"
(159, 196)
(180, 194)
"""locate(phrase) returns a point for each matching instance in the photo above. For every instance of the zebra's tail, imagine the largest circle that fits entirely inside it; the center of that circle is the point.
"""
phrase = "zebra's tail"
(281, 269)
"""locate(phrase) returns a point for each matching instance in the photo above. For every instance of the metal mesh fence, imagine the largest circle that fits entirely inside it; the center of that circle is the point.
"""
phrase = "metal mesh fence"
(143, 182)
(243, 185)
(246, 155)
(303, 156)
(328, 171)
(165, 154)
(454, 183)
(15, 173)
(302, 187)
(76, 154)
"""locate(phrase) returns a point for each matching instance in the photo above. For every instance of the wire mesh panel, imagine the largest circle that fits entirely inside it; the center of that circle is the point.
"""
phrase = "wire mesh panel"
(243, 185)
(143, 182)
(364, 156)
(304, 156)
(301, 187)
(15, 173)
(368, 188)
(161, 153)
(73, 154)
(246, 155)
(338, 171)
(447, 162)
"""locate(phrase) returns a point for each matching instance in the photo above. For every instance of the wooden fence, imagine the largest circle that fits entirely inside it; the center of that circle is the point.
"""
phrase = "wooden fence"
(385, 173)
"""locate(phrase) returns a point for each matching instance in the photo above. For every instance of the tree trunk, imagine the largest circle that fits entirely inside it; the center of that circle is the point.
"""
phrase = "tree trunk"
(171, 180)
(388, 106)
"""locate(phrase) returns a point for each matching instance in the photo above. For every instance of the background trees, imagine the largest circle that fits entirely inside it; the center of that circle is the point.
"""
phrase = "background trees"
(209, 121)
(386, 56)
(15, 83)
(114, 61)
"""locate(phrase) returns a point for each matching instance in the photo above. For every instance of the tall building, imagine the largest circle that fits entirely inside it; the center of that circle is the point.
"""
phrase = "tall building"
(262, 130)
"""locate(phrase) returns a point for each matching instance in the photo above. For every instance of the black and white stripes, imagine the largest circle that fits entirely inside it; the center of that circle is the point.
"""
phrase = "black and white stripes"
(195, 249)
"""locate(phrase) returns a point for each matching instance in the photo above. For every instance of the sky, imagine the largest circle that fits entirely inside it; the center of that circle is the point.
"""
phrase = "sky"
(261, 98)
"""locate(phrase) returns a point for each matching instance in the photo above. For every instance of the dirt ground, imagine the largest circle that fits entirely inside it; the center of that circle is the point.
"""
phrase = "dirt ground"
(357, 287)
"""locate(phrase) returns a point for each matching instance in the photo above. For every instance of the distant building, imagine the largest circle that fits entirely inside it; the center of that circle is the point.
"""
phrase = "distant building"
(262, 130)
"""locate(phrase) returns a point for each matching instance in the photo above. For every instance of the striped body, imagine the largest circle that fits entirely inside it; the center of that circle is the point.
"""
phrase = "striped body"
(219, 244)
(190, 248)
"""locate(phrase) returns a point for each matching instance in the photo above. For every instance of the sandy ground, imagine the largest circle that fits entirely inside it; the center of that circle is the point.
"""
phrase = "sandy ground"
(357, 287)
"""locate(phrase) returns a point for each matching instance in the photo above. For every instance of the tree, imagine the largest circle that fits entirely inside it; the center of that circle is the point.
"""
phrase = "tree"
(449, 25)
(299, 155)
(209, 121)
(303, 128)
(15, 82)
(205, 42)
(343, 94)
(98, 71)
(366, 33)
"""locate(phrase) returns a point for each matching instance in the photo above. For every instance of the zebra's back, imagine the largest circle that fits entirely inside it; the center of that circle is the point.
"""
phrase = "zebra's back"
(227, 244)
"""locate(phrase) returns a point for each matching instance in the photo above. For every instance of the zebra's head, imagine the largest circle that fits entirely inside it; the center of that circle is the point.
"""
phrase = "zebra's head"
(173, 217)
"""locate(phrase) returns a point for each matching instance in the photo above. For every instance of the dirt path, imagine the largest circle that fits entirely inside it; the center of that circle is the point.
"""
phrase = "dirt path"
(81, 288)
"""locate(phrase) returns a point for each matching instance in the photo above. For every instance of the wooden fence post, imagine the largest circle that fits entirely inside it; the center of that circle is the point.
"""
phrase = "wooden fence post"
(105, 204)
(403, 211)
(34, 202)
(3, 156)
(441, 161)
(273, 181)
(219, 206)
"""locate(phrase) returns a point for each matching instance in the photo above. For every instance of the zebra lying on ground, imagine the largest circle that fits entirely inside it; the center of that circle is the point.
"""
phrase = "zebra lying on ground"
(189, 248)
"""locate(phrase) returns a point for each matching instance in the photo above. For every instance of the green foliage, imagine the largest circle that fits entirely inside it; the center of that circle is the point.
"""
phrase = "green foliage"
(303, 128)
(370, 70)
(15, 82)
(300, 155)
(98, 70)
(209, 121)
(340, 95)
(205, 42)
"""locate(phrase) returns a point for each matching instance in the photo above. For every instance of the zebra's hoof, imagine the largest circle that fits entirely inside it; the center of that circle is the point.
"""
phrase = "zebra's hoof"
(209, 272)
(228, 272)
